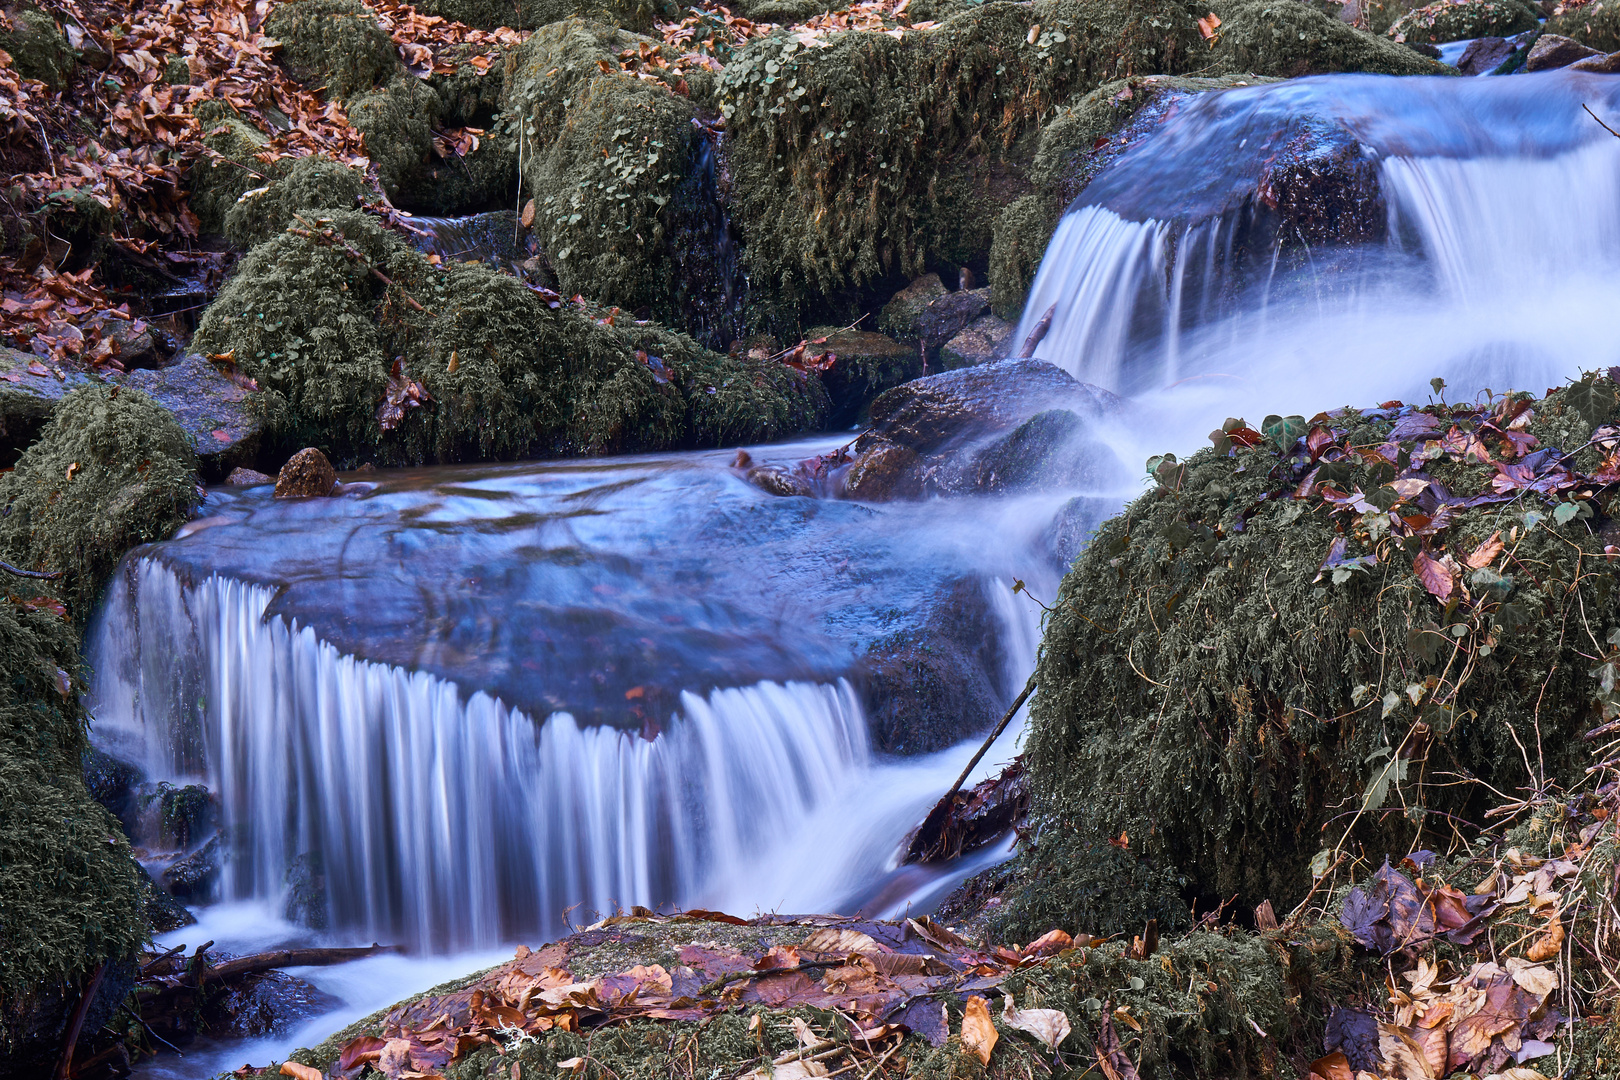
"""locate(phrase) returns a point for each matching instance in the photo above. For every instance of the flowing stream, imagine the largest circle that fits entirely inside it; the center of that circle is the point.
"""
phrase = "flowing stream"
(463, 702)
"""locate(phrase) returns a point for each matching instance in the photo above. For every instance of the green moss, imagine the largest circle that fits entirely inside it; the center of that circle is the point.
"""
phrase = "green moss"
(1203, 693)
(637, 15)
(310, 183)
(229, 166)
(1286, 39)
(337, 44)
(38, 49)
(397, 122)
(70, 889)
(1022, 233)
(484, 179)
(605, 156)
(320, 330)
(875, 156)
(1448, 21)
(1597, 26)
(111, 470)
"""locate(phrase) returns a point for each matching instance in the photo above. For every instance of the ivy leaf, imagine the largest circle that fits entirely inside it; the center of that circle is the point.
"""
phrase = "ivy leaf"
(1591, 400)
(1284, 431)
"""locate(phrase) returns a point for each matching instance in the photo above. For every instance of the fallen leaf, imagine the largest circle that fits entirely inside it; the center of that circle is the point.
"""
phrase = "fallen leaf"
(1486, 553)
(300, 1072)
(1549, 944)
(1049, 1026)
(1437, 577)
(830, 940)
(1334, 1066)
(978, 1033)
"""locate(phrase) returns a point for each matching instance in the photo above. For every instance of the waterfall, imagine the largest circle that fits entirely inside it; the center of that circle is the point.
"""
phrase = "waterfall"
(1499, 221)
(443, 820)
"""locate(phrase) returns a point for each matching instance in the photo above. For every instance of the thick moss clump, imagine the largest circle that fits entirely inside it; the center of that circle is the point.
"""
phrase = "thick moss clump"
(1209, 691)
(311, 183)
(1287, 39)
(70, 889)
(1446, 21)
(37, 48)
(339, 42)
(111, 470)
(397, 122)
(498, 372)
(875, 157)
(637, 15)
(605, 156)
(230, 165)
(1597, 26)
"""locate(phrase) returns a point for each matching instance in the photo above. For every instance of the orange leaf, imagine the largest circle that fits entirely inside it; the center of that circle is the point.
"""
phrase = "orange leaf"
(1486, 553)
(1333, 1067)
(300, 1072)
(978, 1033)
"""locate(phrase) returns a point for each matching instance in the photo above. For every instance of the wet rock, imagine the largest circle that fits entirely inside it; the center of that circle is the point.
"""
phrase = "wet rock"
(1554, 51)
(1606, 64)
(241, 477)
(265, 1005)
(945, 317)
(983, 341)
(867, 365)
(112, 783)
(307, 474)
(186, 813)
(1484, 55)
(163, 911)
(929, 687)
(29, 391)
(1007, 426)
(900, 316)
(775, 480)
(193, 877)
(1073, 524)
(306, 892)
(215, 411)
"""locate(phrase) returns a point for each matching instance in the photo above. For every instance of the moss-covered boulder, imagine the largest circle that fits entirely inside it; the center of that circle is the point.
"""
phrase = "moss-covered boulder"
(310, 183)
(862, 156)
(1436, 24)
(368, 351)
(337, 44)
(637, 15)
(112, 469)
(607, 158)
(71, 892)
(1249, 667)
(36, 46)
(230, 165)
(1596, 25)
(1287, 39)
(397, 121)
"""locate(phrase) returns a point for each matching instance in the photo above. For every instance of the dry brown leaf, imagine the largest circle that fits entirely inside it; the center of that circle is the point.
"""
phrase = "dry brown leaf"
(300, 1072)
(1518, 1072)
(1550, 943)
(792, 1070)
(1533, 978)
(1486, 553)
(1410, 1057)
(830, 940)
(978, 1033)
(1334, 1066)
(1049, 1026)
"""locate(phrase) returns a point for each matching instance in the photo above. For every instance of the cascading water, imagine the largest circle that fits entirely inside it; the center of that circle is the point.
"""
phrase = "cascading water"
(1495, 234)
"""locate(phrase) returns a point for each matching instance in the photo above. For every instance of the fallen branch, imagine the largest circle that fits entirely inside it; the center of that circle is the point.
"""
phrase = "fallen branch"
(1038, 332)
(43, 575)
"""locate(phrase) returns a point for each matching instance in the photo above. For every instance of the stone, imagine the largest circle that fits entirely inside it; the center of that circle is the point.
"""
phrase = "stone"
(30, 390)
(271, 1004)
(1554, 51)
(307, 474)
(1484, 55)
(945, 317)
(214, 410)
(241, 477)
(193, 877)
(983, 341)
(775, 480)
(1607, 64)
(900, 315)
(867, 365)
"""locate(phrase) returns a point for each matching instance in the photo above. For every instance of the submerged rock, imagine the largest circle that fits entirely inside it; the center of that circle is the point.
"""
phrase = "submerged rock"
(307, 474)
(1484, 55)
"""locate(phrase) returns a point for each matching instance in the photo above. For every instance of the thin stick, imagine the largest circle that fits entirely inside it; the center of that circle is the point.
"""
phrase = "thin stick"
(43, 575)
(1601, 124)
(1018, 703)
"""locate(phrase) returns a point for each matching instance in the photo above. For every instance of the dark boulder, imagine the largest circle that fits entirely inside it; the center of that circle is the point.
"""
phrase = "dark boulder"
(212, 408)
(1484, 55)
(193, 877)
(1553, 51)
(867, 364)
(938, 682)
(900, 316)
(983, 341)
(945, 317)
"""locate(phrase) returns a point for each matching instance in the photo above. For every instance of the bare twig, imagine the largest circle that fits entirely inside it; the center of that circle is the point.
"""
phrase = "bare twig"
(1601, 124)
(42, 575)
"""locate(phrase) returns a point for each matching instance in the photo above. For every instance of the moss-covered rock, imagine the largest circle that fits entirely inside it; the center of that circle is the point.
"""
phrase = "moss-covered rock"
(111, 470)
(229, 166)
(1596, 25)
(494, 369)
(336, 43)
(1446, 21)
(637, 15)
(875, 156)
(606, 157)
(1210, 690)
(37, 48)
(310, 183)
(1286, 39)
(867, 365)
(397, 121)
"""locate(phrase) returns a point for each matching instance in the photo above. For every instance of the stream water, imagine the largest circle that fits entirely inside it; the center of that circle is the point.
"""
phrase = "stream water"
(469, 700)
